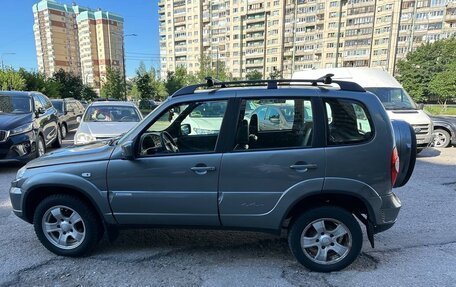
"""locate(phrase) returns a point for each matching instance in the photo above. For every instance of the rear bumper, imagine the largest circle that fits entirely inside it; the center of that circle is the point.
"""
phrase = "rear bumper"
(391, 205)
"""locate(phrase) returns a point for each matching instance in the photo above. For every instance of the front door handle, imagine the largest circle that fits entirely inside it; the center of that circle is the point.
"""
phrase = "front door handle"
(303, 167)
(202, 170)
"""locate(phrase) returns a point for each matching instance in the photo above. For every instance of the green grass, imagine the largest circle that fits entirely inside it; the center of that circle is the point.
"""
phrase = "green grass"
(439, 110)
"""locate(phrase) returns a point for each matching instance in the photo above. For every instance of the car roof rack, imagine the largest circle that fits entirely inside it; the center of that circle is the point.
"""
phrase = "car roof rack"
(271, 84)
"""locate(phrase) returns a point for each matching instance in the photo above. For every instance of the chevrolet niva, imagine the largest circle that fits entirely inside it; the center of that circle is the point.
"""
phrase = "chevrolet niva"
(332, 167)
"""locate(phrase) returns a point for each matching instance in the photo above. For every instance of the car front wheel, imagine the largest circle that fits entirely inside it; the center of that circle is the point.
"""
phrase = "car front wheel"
(40, 146)
(441, 138)
(63, 131)
(58, 140)
(66, 226)
(325, 239)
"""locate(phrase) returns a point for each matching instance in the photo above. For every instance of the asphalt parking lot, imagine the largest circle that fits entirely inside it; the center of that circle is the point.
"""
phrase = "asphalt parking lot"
(420, 250)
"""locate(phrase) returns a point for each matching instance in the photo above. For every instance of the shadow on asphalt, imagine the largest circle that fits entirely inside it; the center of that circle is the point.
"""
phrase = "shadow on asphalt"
(429, 152)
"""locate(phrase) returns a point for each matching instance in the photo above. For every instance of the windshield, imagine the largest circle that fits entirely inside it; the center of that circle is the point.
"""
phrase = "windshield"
(14, 105)
(394, 98)
(58, 105)
(111, 114)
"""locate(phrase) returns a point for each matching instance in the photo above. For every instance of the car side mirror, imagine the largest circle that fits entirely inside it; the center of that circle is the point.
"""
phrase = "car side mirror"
(78, 119)
(185, 129)
(40, 111)
(420, 106)
(128, 150)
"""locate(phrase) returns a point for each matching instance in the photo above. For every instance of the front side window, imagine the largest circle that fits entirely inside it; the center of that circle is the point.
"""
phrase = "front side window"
(275, 124)
(187, 128)
(348, 122)
(38, 104)
(111, 114)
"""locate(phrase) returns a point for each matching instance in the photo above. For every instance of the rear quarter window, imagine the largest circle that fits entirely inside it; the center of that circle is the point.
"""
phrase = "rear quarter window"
(348, 122)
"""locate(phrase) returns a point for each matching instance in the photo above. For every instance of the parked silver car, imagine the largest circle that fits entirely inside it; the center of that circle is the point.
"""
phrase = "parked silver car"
(105, 120)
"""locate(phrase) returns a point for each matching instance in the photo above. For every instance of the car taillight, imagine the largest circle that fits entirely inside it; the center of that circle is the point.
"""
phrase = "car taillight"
(394, 166)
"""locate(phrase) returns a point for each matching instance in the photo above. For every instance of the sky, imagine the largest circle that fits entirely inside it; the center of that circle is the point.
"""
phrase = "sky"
(140, 17)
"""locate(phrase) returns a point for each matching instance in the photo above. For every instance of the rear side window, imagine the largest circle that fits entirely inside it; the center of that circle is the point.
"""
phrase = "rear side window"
(274, 124)
(348, 122)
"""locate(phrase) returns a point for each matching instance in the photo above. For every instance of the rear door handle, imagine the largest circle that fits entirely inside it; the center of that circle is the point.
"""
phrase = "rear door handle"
(299, 167)
(202, 170)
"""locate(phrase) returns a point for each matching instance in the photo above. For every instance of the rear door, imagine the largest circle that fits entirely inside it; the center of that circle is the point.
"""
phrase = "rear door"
(274, 164)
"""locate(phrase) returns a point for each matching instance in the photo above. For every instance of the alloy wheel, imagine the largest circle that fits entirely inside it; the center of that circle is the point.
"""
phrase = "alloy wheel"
(63, 227)
(326, 241)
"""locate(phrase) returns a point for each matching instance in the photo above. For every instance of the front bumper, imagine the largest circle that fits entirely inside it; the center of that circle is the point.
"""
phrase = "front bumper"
(387, 215)
(18, 148)
(16, 200)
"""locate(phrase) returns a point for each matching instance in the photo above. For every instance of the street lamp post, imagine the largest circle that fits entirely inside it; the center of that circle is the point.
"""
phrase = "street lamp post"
(124, 64)
(3, 54)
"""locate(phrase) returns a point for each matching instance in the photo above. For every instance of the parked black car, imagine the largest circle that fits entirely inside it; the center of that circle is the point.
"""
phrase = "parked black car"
(28, 124)
(146, 106)
(69, 110)
(444, 131)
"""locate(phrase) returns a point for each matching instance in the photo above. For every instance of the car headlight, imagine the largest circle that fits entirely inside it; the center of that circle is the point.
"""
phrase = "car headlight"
(22, 129)
(199, 131)
(83, 138)
(21, 172)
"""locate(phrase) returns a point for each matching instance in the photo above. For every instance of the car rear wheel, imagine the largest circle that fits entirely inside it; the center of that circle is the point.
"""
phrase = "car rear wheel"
(40, 146)
(441, 138)
(66, 226)
(325, 239)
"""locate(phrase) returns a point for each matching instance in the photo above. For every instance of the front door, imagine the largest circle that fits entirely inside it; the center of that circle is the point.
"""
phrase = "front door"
(256, 180)
(174, 179)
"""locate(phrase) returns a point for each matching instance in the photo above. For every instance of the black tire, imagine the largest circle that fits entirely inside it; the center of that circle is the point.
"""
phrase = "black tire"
(89, 225)
(64, 130)
(326, 213)
(58, 139)
(442, 138)
(39, 141)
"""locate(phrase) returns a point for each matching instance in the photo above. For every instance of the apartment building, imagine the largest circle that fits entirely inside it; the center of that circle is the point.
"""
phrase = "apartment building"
(291, 35)
(78, 40)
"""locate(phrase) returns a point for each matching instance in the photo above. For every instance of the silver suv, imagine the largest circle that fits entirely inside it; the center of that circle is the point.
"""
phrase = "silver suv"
(335, 162)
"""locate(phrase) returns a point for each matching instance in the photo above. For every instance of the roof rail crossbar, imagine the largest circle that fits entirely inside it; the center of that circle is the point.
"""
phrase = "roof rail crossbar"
(271, 84)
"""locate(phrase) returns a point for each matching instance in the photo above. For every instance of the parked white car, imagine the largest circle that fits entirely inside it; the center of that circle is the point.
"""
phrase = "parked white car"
(105, 120)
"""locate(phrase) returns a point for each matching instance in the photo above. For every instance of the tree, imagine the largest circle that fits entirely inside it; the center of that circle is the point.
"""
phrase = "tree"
(70, 85)
(207, 68)
(11, 80)
(113, 86)
(143, 85)
(176, 80)
(275, 74)
(88, 93)
(417, 70)
(254, 75)
(443, 84)
(158, 86)
(35, 81)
